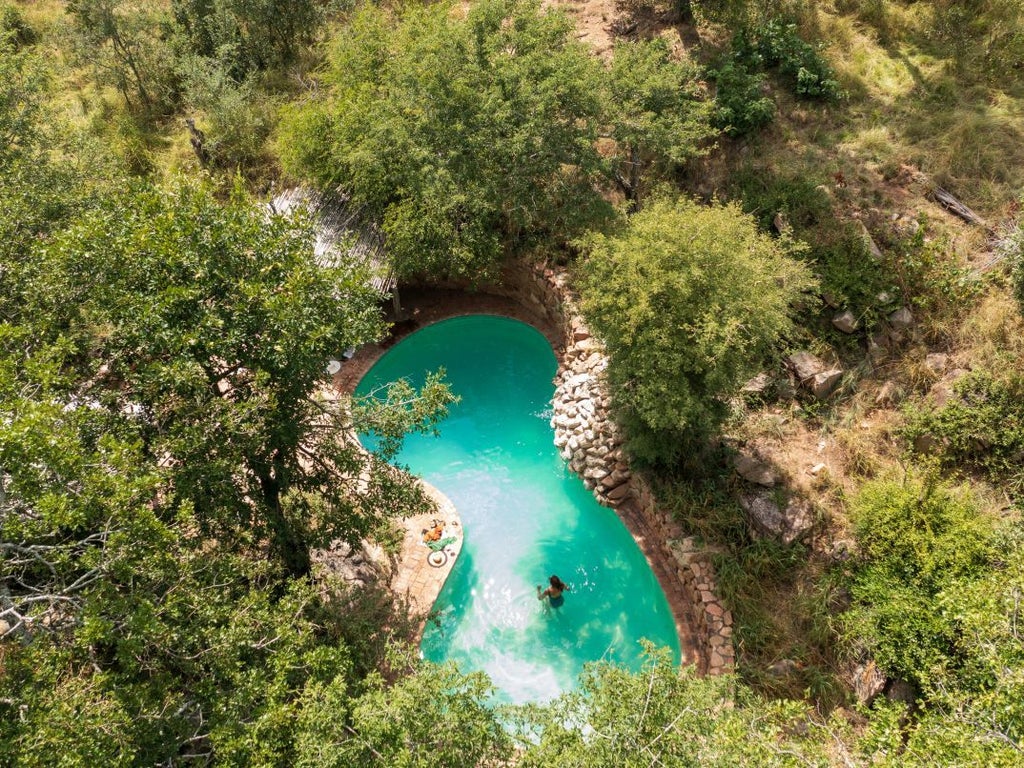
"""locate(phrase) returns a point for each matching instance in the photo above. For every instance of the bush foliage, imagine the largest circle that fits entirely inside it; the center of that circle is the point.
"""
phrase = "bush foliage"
(741, 105)
(980, 428)
(919, 543)
(777, 44)
(688, 299)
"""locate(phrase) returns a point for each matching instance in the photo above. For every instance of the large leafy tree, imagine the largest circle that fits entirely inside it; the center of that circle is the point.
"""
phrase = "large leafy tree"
(657, 114)
(129, 638)
(128, 46)
(688, 299)
(202, 329)
(471, 136)
(465, 135)
(159, 438)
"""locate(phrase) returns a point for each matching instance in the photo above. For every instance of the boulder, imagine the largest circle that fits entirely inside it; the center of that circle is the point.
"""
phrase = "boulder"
(845, 321)
(754, 470)
(770, 520)
(782, 668)
(901, 319)
(936, 362)
(619, 493)
(867, 681)
(901, 691)
(757, 385)
(878, 347)
(888, 394)
(805, 365)
(942, 391)
(823, 383)
(869, 243)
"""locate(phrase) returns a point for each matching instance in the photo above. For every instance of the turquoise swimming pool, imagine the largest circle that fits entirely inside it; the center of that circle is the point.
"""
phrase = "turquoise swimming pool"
(525, 517)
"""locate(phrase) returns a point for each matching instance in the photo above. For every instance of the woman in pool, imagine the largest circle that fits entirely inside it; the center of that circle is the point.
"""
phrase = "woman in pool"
(554, 591)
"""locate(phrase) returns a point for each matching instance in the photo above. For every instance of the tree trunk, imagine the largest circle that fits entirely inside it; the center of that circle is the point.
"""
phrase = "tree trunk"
(288, 542)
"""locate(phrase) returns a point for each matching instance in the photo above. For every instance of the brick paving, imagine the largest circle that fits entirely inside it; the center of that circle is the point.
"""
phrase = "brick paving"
(414, 577)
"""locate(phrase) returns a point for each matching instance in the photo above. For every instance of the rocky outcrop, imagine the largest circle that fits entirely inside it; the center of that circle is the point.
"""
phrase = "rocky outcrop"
(867, 681)
(902, 319)
(813, 374)
(943, 390)
(753, 470)
(355, 566)
(845, 321)
(768, 518)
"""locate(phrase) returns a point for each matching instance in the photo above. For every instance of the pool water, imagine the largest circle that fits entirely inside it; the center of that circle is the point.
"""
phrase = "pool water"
(525, 517)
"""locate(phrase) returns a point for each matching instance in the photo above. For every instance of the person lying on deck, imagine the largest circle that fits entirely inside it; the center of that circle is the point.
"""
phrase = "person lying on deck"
(433, 533)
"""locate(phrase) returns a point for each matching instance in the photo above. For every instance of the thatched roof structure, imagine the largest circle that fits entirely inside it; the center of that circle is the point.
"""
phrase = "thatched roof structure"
(343, 236)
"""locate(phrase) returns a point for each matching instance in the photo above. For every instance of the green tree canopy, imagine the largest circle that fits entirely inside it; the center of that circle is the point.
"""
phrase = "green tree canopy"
(159, 438)
(247, 35)
(936, 591)
(470, 135)
(658, 114)
(688, 299)
(128, 47)
(203, 328)
(464, 134)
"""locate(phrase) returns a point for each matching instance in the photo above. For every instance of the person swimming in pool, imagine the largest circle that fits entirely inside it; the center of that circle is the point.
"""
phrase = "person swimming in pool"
(554, 592)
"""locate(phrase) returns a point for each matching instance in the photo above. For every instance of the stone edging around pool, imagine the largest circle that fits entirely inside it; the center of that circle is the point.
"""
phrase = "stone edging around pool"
(591, 444)
(540, 296)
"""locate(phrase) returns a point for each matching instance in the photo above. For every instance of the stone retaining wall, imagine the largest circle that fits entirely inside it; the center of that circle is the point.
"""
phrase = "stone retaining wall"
(590, 443)
(692, 565)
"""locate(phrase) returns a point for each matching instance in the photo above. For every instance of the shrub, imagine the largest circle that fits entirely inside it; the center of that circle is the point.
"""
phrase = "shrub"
(851, 276)
(740, 101)
(13, 27)
(765, 192)
(688, 300)
(918, 541)
(238, 116)
(776, 44)
(982, 428)
(1012, 248)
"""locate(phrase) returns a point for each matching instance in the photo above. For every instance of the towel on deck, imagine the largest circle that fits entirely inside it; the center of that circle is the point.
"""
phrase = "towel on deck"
(437, 546)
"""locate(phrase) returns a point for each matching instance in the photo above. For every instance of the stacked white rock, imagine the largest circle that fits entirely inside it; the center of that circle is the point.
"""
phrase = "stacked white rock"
(588, 439)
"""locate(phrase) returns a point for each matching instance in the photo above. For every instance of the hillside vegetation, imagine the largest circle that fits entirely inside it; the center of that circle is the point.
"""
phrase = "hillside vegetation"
(737, 189)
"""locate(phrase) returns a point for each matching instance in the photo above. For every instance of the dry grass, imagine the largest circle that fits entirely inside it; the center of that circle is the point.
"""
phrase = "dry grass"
(905, 105)
(993, 335)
